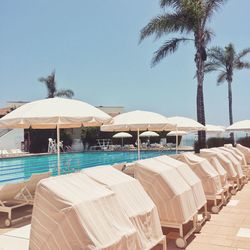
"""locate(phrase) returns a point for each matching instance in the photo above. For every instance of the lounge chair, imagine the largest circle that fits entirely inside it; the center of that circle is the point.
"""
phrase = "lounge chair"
(28, 193)
(228, 166)
(211, 158)
(135, 202)
(245, 151)
(209, 177)
(74, 212)
(171, 194)
(192, 180)
(9, 200)
(236, 165)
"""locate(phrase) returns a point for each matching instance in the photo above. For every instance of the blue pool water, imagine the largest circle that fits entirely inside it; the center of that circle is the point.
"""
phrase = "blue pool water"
(19, 169)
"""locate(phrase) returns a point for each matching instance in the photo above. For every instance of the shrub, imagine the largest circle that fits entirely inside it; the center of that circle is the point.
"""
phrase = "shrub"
(218, 142)
(245, 141)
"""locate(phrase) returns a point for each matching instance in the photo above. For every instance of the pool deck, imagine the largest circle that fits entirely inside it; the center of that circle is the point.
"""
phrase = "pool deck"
(228, 230)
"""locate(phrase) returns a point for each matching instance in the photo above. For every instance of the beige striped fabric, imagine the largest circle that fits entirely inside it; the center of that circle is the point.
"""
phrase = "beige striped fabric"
(245, 151)
(233, 160)
(189, 176)
(134, 200)
(169, 191)
(209, 176)
(74, 212)
(224, 161)
(236, 153)
(211, 158)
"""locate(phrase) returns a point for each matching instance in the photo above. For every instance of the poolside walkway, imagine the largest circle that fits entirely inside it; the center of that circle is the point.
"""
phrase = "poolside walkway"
(228, 230)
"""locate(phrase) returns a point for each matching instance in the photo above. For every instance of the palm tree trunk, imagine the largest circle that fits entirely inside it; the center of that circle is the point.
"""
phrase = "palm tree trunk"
(230, 103)
(199, 60)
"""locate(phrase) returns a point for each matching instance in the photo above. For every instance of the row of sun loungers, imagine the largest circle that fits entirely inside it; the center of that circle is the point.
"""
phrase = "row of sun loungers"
(103, 208)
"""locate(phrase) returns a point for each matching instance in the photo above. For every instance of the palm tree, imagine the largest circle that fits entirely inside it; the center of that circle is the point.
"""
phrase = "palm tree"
(50, 83)
(225, 61)
(186, 17)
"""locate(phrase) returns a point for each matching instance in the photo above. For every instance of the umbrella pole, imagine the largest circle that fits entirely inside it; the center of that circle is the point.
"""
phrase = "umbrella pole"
(176, 141)
(58, 148)
(138, 143)
(122, 142)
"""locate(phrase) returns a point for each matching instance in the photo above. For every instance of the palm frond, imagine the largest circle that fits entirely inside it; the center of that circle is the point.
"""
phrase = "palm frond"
(221, 78)
(166, 23)
(212, 6)
(208, 34)
(217, 55)
(170, 3)
(241, 65)
(168, 47)
(65, 92)
(243, 53)
(212, 66)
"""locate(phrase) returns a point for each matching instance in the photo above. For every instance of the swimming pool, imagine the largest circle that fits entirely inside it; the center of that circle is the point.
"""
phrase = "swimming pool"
(19, 169)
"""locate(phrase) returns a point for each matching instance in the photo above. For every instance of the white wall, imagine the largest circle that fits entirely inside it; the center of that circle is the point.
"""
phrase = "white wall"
(12, 140)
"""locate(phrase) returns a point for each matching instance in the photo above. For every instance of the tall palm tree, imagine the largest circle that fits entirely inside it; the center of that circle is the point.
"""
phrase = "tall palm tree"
(225, 61)
(186, 17)
(50, 83)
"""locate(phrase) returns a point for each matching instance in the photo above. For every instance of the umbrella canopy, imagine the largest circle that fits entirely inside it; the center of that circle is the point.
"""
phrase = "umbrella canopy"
(122, 135)
(179, 132)
(142, 120)
(139, 121)
(240, 126)
(214, 128)
(55, 113)
(149, 134)
(186, 124)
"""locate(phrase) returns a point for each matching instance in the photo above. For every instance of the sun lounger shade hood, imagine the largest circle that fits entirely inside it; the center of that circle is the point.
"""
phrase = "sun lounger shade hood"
(169, 191)
(245, 151)
(212, 159)
(203, 169)
(224, 161)
(189, 176)
(53, 112)
(134, 200)
(142, 120)
(232, 159)
(74, 212)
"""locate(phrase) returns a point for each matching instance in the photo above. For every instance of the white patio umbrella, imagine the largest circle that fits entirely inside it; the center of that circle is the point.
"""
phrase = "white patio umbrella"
(55, 113)
(214, 129)
(149, 134)
(139, 121)
(176, 134)
(240, 126)
(122, 135)
(185, 124)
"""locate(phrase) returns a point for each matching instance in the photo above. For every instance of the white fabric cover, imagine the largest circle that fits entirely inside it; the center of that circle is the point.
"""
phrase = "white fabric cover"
(186, 124)
(208, 175)
(136, 203)
(245, 151)
(211, 158)
(224, 161)
(189, 176)
(169, 191)
(238, 152)
(48, 113)
(234, 161)
(239, 157)
(74, 212)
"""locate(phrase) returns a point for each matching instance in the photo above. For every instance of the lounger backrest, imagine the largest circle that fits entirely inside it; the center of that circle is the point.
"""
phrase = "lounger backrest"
(9, 191)
(34, 179)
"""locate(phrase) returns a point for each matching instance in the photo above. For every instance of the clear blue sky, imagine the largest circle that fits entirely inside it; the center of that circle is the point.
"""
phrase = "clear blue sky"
(93, 45)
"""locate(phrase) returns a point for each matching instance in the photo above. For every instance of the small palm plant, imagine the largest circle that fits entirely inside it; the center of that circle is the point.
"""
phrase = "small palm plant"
(186, 17)
(50, 83)
(225, 61)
